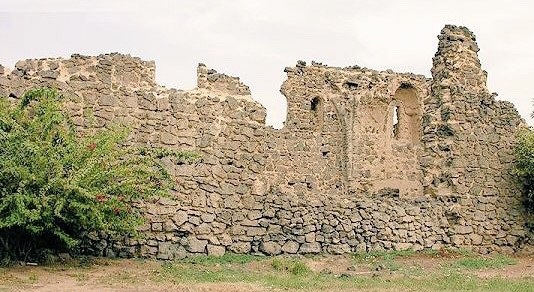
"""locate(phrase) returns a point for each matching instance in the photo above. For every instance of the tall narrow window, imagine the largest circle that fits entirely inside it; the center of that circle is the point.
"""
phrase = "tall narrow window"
(406, 114)
(396, 110)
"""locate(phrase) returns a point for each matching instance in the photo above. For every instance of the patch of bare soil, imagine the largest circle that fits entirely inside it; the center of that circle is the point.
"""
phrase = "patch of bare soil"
(424, 262)
(76, 287)
(523, 268)
(337, 265)
(116, 275)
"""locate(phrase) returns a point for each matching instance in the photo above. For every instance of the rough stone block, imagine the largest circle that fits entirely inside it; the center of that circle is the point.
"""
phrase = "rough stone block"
(310, 237)
(196, 246)
(361, 248)
(403, 246)
(313, 247)
(290, 247)
(339, 248)
(463, 229)
(169, 251)
(270, 248)
(207, 217)
(240, 247)
(49, 74)
(158, 226)
(255, 231)
(169, 226)
(216, 250)
(107, 100)
(457, 240)
(168, 138)
(475, 239)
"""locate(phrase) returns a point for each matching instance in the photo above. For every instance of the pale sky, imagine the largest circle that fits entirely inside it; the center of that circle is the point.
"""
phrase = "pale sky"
(255, 40)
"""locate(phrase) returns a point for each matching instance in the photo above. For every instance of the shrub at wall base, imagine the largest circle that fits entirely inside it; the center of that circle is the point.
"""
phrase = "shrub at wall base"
(56, 186)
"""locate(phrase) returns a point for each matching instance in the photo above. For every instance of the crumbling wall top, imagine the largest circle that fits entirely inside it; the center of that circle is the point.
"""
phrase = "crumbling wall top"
(212, 80)
(114, 69)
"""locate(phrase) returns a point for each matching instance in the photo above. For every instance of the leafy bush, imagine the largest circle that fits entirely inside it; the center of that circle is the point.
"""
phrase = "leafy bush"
(56, 186)
(525, 165)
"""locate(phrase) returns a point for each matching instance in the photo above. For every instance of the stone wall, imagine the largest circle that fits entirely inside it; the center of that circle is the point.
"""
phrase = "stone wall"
(367, 160)
(354, 117)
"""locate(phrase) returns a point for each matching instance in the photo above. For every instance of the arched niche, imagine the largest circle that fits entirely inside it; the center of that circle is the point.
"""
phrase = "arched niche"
(405, 112)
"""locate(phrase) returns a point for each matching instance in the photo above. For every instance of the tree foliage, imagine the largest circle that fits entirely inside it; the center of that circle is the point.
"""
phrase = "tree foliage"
(525, 165)
(56, 186)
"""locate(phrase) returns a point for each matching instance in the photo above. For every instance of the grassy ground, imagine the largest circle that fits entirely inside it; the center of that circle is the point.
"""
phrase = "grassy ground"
(379, 271)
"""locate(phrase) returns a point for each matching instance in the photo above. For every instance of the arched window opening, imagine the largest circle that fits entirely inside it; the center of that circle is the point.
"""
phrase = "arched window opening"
(406, 112)
(396, 110)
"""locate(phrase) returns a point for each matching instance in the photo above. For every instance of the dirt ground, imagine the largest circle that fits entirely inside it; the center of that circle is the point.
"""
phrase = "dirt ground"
(138, 275)
(116, 275)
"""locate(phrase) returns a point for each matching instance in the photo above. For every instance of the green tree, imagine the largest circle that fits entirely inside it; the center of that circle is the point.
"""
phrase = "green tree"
(56, 186)
(525, 165)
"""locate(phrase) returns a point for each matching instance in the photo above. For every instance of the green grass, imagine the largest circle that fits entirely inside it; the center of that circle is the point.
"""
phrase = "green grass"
(280, 278)
(477, 263)
(461, 252)
(295, 267)
(455, 273)
(292, 273)
(228, 258)
(379, 260)
(382, 255)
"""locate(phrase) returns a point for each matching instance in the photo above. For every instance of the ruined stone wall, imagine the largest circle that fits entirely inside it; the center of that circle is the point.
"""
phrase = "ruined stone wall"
(367, 160)
(355, 116)
(470, 139)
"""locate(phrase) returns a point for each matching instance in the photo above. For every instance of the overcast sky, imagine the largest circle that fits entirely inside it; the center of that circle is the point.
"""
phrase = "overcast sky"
(255, 40)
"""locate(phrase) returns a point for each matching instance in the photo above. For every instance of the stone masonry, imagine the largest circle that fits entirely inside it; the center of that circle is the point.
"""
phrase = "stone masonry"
(367, 160)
